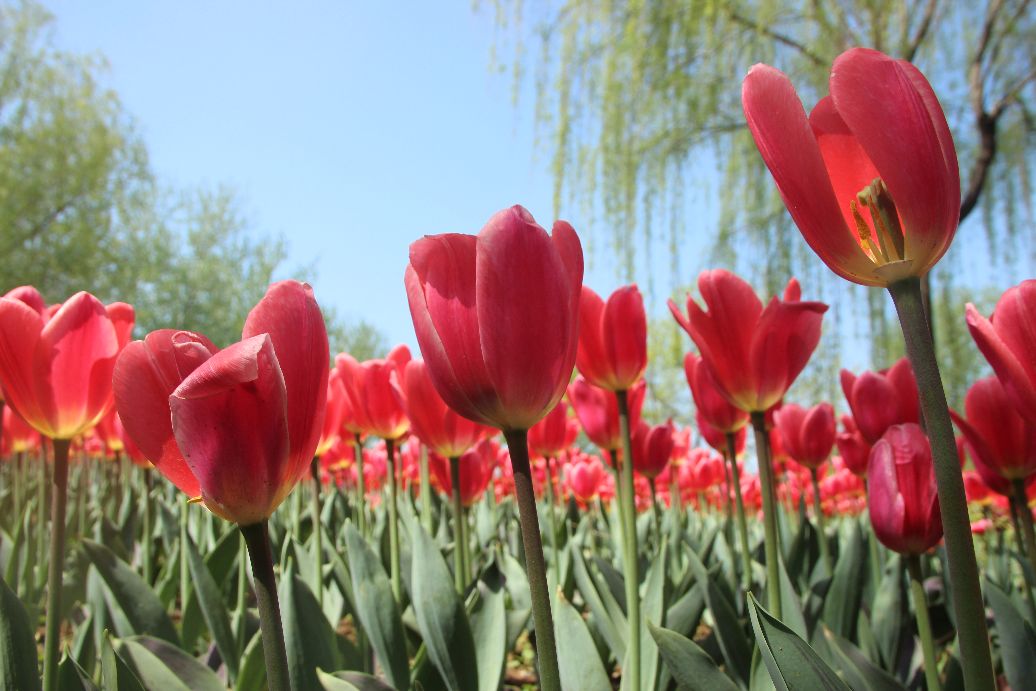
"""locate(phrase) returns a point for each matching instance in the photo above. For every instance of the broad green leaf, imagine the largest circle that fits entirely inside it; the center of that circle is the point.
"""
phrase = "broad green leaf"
(489, 628)
(791, 606)
(116, 675)
(440, 614)
(253, 666)
(842, 603)
(72, 677)
(792, 664)
(1016, 637)
(377, 609)
(136, 601)
(351, 681)
(308, 639)
(18, 656)
(610, 622)
(737, 651)
(887, 611)
(652, 608)
(691, 667)
(160, 665)
(213, 609)
(859, 672)
(516, 583)
(578, 661)
(684, 614)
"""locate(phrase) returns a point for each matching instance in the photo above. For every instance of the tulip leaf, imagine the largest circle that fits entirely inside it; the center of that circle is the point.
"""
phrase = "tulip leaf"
(440, 614)
(859, 672)
(160, 665)
(116, 675)
(377, 609)
(691, 667)
(516, 583)
(253, 666)
(18, 654)
(652, 609)
(609, 621)
(308, 638)
(684, 614)
(210, 601)
(489, 628)
(350, 681)
(1016, 636)
(887, 611)
(578, 660)
(71, 677)
(737, 651)
(792, 664)
(791, 606)
(135, 600)
(842, 604)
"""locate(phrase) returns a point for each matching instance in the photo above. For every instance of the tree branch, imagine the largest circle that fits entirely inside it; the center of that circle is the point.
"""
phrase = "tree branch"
(779, 37)
(922, 31)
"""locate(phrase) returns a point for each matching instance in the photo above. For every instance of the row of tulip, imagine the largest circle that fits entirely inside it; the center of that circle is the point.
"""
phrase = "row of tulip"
(502, 320)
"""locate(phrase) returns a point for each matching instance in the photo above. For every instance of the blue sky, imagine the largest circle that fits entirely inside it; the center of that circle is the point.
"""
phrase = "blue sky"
(352, 128)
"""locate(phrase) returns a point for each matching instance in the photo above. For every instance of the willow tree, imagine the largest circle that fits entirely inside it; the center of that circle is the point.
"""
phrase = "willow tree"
(638, 103)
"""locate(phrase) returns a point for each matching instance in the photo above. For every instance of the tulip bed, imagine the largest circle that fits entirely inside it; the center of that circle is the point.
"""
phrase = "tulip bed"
(498, 514)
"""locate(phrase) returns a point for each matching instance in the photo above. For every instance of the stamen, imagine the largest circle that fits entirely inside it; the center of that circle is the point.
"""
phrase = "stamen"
(863, 230)
(889, 232)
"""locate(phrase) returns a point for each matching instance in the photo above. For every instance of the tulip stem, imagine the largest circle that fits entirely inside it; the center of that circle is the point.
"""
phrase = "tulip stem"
(390, 452)
(318, 534)
(924, 627)
(257, 539)
(976, 658)
(145, 546)
(1025, 518)
(551, 512)
(241, 610)
(55, 567)
(543, 623)
(762, 449)
(655, 512)
(629, 534)
(459, 574)
(185, 578)
(41, 513)
(742, 525)
(426, 492)
(361, 490)
(818, 509)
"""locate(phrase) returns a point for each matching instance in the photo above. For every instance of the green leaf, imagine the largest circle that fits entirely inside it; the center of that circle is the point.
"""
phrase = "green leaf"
(213, 609)
(842, 603)
(652, 609)
(691, 667)
(377, 609)
(791, 606)
(115, 673)
(72, 677)
(578, 662)
(608, 618)
(887, 610)
(308, 637)
(489, 628)
(253, 666)
(18, 654)
(440, 614)
(137, 602)
(792, 664)
(160, 665)
(859, 672)
(1016, 637)
(516, 583)
(351, 681)
(737, 651)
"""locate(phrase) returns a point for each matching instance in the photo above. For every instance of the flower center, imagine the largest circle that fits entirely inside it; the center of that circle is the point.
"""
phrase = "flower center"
(882, 238)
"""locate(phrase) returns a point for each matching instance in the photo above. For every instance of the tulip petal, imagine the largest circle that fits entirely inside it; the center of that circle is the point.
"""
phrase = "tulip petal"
(30, 296)
(123, 318)
(20, 328)
(789, 148)
(624, 332)
(290, 315)
(230, 419)
(1013, 374)
(591, 356)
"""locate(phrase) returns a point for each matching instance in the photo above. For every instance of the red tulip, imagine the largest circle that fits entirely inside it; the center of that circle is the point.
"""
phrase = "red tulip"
(476, 470)
(879, 141)
(30, 296)
(879, 400)
(754, 354)
(854, 449)
(598, 411)
(976, 490)
(995, 432)
(585, 477)
(334, 411)
(612, 338)
(554, 433)
(109, 430)
(1006, 340)
(497, 316)
(56, 371)
(435, 424)
(652, 448)
(376, 405)
(903, 503)
(18, 435)
(718, 440)
(267, 392)
(710, 402)
(808, 435)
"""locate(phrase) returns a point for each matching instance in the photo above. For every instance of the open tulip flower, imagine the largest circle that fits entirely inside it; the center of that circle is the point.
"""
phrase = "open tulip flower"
(870, 176)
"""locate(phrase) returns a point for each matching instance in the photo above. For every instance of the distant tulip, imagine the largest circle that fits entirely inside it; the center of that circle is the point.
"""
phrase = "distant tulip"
(871, 177)
(333, 412)
(904, 506)
(598, 411)
(754, 354)
(18, 435)
(718, 440)
(554, 433)
(585, 476)
(612, 338)
(376, 406)
(879, 400)
(476, 471)
(1006, 339)
(808, 435)
(497, 316)
(652, 448)
(853, 448)
(996, 432)
(710, 402)
(435, 424)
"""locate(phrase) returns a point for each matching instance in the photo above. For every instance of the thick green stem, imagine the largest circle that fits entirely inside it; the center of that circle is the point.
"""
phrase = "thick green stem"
(145, 546)
(185, 574)
(924, 627)
(55, 567)
(546, 648)
(459, 577)
(241, 610)
(318, 534)
(257, 538)
(742, 524)
(654, 510)
(976, 658)
(41, 515)
(552, 513)
(426, 492)
(873, 547)
(762, 448)
(818, 509)
(397, 588)
(361, 490)
(629, 533)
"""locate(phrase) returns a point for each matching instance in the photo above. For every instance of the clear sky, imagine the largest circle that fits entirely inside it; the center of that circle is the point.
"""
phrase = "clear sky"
(352, 128)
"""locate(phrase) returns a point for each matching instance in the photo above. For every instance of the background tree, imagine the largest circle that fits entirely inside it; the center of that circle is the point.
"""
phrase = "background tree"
(638, 103)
